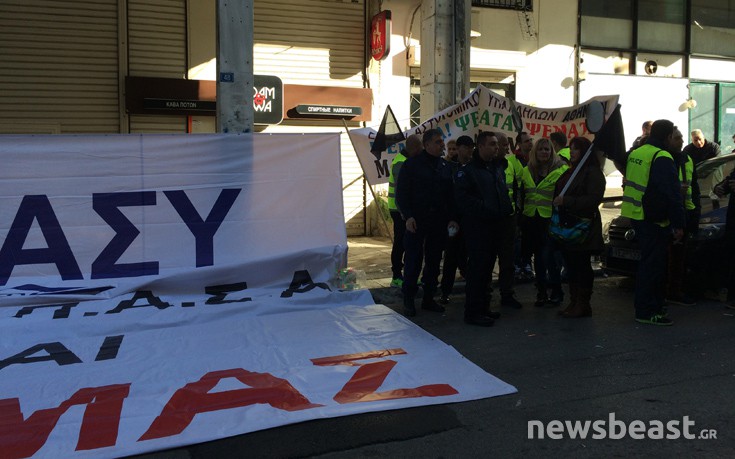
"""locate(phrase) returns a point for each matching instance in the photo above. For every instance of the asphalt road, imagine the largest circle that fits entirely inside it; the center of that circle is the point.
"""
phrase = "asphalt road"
(603, 368)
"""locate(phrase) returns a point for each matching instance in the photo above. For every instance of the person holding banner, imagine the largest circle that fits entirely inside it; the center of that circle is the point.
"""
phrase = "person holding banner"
(483, 202)
(425, 198)
(412, 148)
(539, 179)
(582, 199)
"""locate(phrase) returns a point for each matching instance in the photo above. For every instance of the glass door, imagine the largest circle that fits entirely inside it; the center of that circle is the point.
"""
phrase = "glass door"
(727, 117)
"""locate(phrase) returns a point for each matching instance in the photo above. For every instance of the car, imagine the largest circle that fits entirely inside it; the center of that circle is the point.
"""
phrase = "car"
(706, 256)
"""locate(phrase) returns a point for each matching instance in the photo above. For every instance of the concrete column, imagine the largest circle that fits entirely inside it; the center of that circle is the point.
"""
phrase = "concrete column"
(235, 66)
(445, 53)
(462, 45)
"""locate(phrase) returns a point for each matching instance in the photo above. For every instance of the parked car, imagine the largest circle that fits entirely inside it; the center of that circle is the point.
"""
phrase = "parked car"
(706, 255)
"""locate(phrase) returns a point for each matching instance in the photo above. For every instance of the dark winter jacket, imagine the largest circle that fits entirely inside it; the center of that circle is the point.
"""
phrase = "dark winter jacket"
(424, 190)
(481, 192)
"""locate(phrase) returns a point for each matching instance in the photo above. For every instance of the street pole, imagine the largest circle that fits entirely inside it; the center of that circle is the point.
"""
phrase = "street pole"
(235, 66)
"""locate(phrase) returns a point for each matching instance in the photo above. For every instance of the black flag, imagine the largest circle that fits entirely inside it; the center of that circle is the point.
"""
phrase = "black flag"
(611, 138)
(388, 135)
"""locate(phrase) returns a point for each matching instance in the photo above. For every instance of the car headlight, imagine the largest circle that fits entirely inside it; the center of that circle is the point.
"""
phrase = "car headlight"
(709, 231)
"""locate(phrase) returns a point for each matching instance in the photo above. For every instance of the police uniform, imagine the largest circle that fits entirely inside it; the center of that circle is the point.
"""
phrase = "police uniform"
(643, 175)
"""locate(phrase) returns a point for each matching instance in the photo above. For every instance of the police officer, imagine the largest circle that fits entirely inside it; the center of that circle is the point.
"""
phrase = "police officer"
(483, 202)
(650, 169)
(677, 251)
(425, 198)
(412, 148)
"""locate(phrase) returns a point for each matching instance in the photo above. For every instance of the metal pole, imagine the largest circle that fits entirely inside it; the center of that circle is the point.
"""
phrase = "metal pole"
(235, 66)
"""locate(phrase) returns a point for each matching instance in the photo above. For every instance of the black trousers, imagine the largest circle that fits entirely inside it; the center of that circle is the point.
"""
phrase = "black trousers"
(651, 276)
(505, 254)
(455, 256)
(482, 241)
(426, 244)
(396, 253)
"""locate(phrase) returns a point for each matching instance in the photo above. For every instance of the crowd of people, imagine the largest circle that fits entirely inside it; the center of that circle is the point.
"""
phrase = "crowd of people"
(482, 203)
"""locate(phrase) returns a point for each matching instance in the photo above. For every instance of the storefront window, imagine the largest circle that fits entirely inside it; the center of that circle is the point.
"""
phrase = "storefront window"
(713, 27)
(661, 25)
(607, 23)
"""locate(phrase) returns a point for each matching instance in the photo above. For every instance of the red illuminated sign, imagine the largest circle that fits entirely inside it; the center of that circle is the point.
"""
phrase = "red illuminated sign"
(380, 36)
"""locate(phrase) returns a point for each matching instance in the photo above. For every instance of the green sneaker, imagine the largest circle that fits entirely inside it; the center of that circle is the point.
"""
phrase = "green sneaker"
(396, 283)
(656, 319)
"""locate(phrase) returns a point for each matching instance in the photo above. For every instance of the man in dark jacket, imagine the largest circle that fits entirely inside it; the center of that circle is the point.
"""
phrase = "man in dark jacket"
(701, 148)
(483, 202)
(425, 198)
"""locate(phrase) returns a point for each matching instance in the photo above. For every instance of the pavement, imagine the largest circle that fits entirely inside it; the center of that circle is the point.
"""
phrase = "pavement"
(606, 370)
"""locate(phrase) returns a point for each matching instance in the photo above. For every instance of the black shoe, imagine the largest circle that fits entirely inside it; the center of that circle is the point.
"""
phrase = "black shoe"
(556, 297)
(493, 315)
(551, 303)
(511, 302)
(432, 305)
(409, 310)
(656, 319)
(541, 301)
(444, 299)
(480, 321)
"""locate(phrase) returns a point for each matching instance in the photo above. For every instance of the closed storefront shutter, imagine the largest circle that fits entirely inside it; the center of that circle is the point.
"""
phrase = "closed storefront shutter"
(157, 48)
(321, 43)
(58, 66)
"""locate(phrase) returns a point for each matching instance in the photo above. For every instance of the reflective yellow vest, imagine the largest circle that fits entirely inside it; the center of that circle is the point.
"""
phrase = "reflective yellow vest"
(539, 196)
(689, 171)
(513, 174)
(637, 170)
(565, 153)
(395, 167)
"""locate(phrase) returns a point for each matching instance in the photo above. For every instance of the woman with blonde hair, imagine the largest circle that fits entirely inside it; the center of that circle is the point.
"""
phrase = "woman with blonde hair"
(537, 191)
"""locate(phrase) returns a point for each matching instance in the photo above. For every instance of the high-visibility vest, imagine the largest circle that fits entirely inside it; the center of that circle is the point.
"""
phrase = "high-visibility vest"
(539, 196)
(395, 167)
(637, 171)
(689, 173)
(513, 174)
(565, 153)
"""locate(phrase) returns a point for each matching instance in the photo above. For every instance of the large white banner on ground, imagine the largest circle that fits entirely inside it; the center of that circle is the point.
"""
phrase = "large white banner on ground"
(482, 110)
(163, 290)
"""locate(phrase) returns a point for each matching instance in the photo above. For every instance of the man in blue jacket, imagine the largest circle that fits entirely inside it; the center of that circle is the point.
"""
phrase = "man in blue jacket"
(425, 198)
(483, 203)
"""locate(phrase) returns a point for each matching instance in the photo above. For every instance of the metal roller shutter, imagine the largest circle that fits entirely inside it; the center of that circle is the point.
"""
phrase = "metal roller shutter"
(157, 48)
(317, 42)
(59, 70)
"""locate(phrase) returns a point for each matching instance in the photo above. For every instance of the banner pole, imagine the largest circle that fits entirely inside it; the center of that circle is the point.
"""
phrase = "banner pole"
(576, 169)
(375, 198)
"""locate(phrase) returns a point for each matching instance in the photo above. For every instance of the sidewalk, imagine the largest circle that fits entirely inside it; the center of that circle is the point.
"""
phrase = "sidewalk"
(372, 255)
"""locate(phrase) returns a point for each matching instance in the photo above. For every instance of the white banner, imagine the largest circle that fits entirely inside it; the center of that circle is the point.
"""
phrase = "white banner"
(482, 110)
(164, 290)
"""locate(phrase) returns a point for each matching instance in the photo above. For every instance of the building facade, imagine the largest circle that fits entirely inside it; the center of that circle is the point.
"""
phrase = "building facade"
(135, 66)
